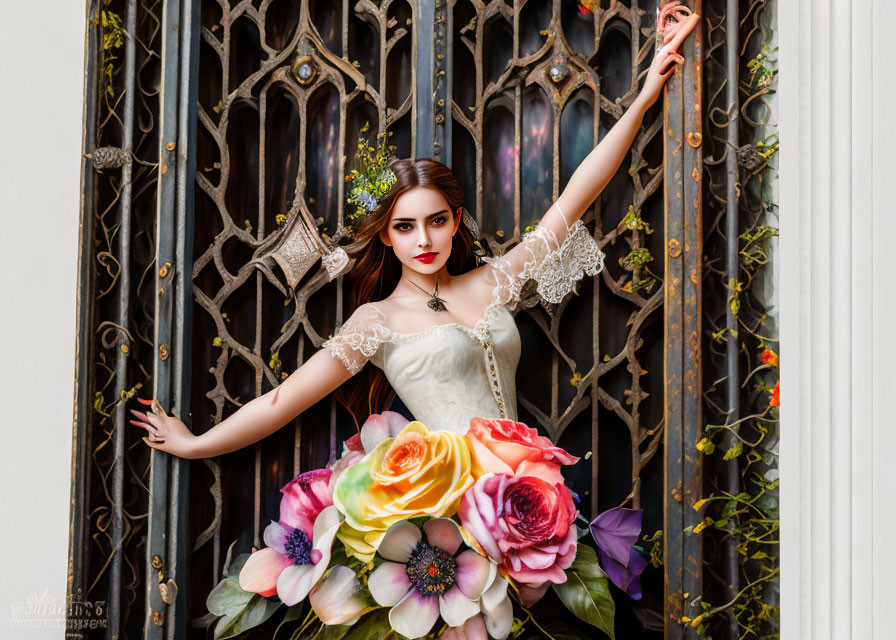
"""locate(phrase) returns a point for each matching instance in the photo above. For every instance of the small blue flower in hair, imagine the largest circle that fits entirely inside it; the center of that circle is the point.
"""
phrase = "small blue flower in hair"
(373, 178)
(367, 200)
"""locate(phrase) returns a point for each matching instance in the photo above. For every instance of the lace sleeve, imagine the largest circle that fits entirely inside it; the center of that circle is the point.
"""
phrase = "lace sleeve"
(358, 339)
(554, 266)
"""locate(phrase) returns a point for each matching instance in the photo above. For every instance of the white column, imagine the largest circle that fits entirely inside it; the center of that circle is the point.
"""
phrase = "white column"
(40, 169)
(838, 349)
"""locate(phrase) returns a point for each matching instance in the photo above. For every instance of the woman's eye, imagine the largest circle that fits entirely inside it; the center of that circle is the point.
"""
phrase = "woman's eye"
(406, 226)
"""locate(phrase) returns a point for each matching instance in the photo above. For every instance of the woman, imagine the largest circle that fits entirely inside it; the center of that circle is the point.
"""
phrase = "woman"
(440, 332)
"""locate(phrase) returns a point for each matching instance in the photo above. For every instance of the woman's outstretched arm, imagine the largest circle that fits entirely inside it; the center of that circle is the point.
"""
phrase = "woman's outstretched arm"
(320, 375)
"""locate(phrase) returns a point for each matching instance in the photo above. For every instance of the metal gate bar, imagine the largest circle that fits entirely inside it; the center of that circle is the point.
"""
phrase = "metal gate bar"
(682, 135)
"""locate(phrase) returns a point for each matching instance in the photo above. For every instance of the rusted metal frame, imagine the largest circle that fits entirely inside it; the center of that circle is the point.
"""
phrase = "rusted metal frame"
(156, 564)
(179, 484)
(432, 87)
(124, 289)
(731, 569)
(174, 304)
(682, 328)
(83, 411)
(166, 563)
(214, 129)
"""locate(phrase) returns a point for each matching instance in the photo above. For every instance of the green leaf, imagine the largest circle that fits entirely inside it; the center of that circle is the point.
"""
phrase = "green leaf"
(240, 610)
(733, 452)
(333, 632)
(227, 598)
(338, 556)
(586, 591)
(293, 613)
(233, 566)
(255, 612)
(371, 627)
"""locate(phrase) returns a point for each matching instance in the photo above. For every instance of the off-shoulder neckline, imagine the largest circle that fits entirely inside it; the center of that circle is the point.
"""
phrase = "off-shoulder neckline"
(479, 330)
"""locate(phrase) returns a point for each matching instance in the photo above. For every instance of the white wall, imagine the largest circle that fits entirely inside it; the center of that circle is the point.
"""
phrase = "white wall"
(838, 348)
(41, 45)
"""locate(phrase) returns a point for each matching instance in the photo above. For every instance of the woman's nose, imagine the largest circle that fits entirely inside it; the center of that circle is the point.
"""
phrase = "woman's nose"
(423, 238)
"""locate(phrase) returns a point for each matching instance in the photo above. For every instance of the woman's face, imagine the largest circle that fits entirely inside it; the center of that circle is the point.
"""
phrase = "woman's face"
(420, 229)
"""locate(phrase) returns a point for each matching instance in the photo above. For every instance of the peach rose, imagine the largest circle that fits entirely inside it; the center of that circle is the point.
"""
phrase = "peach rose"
(511, 448)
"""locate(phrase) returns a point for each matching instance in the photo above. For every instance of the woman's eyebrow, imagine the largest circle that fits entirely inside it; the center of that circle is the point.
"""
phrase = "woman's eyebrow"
(412, 219)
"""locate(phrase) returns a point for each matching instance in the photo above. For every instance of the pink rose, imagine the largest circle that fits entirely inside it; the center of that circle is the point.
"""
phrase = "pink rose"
(511, 448)
(526, 525)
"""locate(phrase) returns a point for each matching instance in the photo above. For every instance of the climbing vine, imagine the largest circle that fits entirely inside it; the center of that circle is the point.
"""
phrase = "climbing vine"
(740, 519)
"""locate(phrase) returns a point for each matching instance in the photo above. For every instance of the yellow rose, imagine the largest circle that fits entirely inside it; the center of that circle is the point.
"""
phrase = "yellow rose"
(418, 472)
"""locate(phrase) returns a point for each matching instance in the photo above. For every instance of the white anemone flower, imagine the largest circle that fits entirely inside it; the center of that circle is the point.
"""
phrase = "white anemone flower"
(425, 577)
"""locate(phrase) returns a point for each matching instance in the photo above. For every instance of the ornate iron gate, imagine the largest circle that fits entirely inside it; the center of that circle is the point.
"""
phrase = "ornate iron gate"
(237, 123)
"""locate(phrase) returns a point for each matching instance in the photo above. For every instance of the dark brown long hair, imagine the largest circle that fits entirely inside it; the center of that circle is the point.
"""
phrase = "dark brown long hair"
(377, 270)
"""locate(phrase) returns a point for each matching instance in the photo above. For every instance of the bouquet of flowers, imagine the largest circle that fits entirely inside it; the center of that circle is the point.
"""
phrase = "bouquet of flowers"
(417, 533)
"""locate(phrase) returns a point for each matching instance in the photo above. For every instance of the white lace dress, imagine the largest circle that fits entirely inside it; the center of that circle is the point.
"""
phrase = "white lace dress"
(450, 373)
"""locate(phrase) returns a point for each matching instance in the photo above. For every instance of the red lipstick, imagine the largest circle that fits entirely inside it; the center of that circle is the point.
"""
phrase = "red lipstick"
(426, 258)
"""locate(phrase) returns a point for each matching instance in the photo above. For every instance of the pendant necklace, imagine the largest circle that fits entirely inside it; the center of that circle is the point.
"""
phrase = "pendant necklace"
(435, 302)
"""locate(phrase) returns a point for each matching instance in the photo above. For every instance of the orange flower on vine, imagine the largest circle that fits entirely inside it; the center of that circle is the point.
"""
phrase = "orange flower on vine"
(775, 400)
(769, 357)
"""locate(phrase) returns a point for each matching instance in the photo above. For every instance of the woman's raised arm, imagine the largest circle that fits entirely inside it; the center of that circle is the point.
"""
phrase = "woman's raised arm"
(598, 168)
(561, 250)
(320, 375)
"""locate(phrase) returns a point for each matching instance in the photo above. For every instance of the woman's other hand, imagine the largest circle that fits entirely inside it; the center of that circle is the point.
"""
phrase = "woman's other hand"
(675, 24)
(164, 432)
